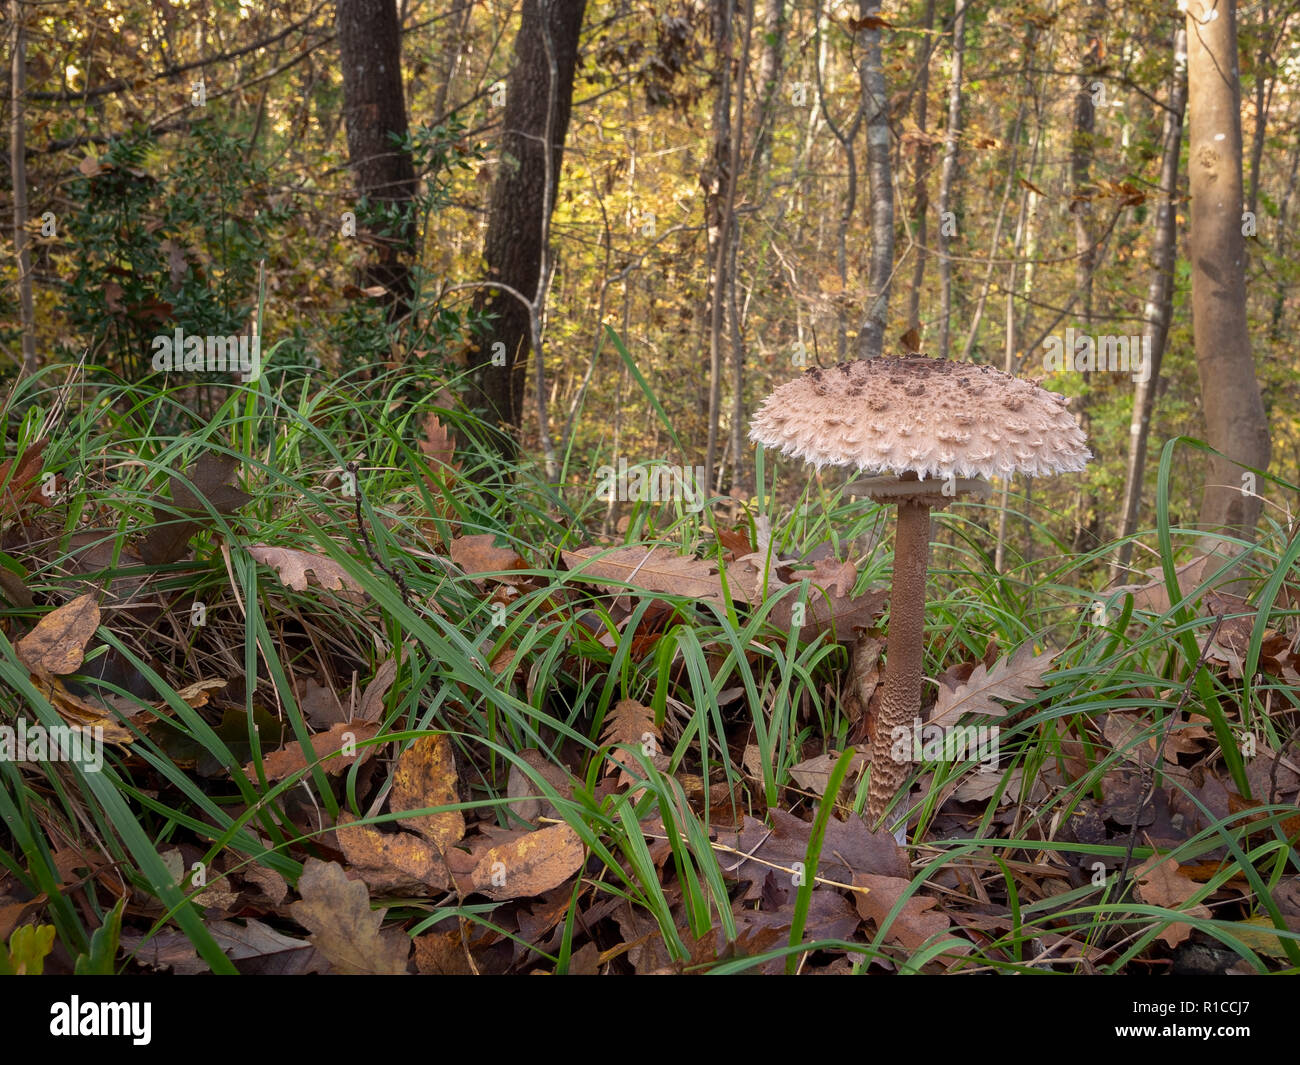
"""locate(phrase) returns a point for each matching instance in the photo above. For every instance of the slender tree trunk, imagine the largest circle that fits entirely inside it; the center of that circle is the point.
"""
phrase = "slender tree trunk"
(1235, 421)
(845, 139)
(1010, 343)
(737, 444)
(1087, 518)
(947, 219)
(539, 99)
(1279, 247)
(450, 56)
(875, 100)
(769, 81)
(718, 181)
(1013, 139)
(921, 160)
(374, 108)
(18, 170)
(1265, 82)
(799, 188)
(1160, 298)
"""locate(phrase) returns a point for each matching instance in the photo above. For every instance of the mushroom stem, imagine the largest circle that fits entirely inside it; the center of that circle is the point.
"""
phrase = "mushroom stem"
(900, 699)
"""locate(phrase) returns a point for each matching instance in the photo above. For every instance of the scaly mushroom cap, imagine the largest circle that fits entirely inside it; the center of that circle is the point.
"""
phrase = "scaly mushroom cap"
(931, 417)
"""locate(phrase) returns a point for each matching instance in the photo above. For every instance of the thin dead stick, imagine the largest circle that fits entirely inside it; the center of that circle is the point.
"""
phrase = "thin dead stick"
(724, 849)
(396, 577)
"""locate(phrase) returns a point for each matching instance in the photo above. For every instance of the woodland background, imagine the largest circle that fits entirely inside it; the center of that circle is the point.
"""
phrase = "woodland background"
(743, 191)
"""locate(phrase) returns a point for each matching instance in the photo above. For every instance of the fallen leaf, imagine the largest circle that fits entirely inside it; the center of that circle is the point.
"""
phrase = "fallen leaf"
(426, 776)
(735, 540)
(982, 784)
(344, 736)
(267, 881)
(646, 951)
(527, 801)
(197, 694)
(19, 485)
(827, 605)
(849, 847)
(81, 714)
(441, 954)
(1011, 680)
(830, 916)
(1261, 935)
(15, 590)
(813, 774)
(438, 444)
(294, 565)
(169, 949)
(631, 724)
(654, 569)
(478, 554)
(213, 491)
(528, 863)
(58, 642)
(343, 926)
(1160, 883)
(259, 950)
(913, 925)
(320, 705)
(372, 699)
(1271, 774)
(391, 861)
(1153, 595)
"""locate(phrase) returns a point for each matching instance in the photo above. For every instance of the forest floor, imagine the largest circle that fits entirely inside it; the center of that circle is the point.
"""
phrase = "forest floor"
(308, 687)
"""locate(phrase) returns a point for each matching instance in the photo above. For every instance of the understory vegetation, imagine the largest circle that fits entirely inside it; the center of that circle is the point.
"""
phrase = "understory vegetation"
(324, 630)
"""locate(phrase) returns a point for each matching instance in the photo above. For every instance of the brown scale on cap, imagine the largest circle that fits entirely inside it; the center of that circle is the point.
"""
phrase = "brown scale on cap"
(921, 400)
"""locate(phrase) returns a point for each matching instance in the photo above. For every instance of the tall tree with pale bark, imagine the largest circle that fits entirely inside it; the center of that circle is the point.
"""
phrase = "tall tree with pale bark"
(880, 177)
(1235, 422)
(947, 216)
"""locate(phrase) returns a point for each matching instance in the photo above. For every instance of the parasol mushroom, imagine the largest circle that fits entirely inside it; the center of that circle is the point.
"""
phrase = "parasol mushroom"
(928, 430)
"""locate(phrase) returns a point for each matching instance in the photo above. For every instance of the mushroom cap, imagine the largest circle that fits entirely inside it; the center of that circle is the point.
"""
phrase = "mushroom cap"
(930, 417)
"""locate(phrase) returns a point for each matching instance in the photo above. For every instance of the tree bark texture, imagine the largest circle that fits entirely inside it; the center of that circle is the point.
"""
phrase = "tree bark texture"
(374, 108)
(521, 202)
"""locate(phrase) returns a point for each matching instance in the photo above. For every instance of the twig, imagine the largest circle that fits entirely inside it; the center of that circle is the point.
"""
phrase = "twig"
(393, 574)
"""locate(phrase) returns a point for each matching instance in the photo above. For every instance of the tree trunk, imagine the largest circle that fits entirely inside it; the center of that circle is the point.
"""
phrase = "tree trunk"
(947, 221)
(1009, 345)
(719, 192)
(871, 336)
(539, 99)
(449, 58)
(769, 81)
(737, 444)
(1279, 247)
(18, 170)
(1086, 526)
(921, 162)
(846, 140)
(374, 108)
(1160, 298)
(1235, 421)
